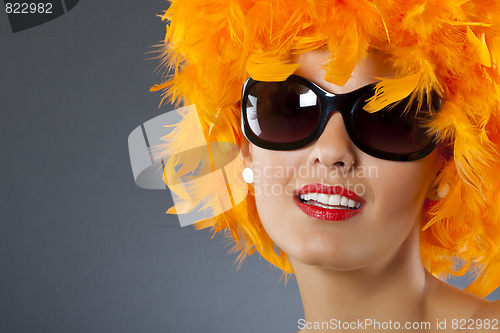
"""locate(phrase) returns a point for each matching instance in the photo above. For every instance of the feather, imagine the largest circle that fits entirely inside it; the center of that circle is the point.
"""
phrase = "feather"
(389, 91)
(383, 16)
(344, 59)
(480, 48)
(262, 70)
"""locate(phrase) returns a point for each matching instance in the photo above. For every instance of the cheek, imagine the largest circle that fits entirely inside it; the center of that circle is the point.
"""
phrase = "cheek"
(400, 190)
(274, 184)
(271, 175)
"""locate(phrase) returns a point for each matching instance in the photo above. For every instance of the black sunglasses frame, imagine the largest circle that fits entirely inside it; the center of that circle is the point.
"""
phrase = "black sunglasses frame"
(346, 104)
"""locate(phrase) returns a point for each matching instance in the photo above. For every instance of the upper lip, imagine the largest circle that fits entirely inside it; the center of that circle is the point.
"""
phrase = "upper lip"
(321, 188)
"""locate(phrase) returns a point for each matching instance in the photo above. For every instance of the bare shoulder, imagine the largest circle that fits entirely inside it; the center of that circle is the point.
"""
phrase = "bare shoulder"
(447, 301)
(490, 310)
(469, 312)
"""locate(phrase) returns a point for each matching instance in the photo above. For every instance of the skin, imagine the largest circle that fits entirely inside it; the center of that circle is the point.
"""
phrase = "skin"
(368, 266)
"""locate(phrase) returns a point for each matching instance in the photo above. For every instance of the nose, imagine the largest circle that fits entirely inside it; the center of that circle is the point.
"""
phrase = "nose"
(333, 148)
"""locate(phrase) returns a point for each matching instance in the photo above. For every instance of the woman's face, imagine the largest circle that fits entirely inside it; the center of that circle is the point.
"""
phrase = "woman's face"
(391, 193)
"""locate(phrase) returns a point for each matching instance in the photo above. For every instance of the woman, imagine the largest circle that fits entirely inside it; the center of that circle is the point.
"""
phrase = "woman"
(370, 141)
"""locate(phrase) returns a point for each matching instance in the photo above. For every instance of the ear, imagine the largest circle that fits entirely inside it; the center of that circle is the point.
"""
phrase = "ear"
(432, 193)
(246, 152)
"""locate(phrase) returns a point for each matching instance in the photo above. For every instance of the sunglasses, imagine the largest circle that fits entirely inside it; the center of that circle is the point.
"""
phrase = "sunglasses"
(290, 114)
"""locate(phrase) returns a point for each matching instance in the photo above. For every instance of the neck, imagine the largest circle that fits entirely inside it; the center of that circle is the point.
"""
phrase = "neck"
(392, 289)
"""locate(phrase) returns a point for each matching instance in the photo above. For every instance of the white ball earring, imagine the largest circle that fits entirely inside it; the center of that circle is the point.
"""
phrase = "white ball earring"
(443, 191)
(248, 175)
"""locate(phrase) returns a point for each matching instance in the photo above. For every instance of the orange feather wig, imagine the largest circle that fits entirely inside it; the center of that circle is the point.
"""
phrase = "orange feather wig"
(452, 47)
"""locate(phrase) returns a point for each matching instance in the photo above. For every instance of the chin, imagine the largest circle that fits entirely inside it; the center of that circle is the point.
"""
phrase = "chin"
(329, 253)
(333, 262)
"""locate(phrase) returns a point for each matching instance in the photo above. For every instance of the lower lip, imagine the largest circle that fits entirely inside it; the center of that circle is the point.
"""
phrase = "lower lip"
(325, 213)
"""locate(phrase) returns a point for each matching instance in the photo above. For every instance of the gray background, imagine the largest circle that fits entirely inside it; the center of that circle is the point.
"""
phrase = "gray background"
(82, 248)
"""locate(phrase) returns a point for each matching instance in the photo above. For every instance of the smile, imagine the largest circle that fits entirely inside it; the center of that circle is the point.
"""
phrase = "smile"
(331, 203)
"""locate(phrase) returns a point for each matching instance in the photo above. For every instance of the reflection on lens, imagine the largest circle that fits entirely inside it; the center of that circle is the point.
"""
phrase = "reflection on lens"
(282, 112)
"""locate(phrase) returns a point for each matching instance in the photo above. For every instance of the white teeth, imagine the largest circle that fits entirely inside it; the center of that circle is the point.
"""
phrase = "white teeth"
(330, 200)
(323, 198)
(334, 200)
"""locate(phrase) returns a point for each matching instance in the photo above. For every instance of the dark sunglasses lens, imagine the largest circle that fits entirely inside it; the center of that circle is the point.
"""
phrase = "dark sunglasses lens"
(393, 130)
(282, 112)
